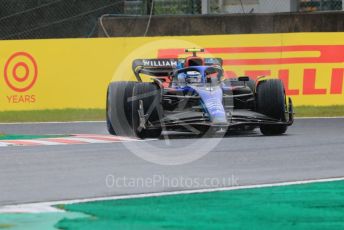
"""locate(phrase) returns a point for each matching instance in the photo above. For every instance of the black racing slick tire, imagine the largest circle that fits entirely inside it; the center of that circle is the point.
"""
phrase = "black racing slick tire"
(148, 97)
(252, 85)
(271, 101)
(108, 122)
(118, 108)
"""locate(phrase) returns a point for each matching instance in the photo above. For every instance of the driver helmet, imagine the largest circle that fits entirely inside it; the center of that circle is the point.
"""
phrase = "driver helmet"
(194, 77)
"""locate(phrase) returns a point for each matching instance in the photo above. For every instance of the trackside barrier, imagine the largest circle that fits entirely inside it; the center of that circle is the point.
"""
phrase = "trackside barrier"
(74, 73)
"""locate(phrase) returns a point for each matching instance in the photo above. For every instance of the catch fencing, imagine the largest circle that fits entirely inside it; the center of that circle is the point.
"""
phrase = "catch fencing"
(163, 7)
(26, 19)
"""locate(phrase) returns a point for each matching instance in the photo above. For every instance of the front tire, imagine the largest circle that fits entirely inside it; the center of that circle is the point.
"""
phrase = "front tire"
(118, 108)
(271, 101)
(108, 121)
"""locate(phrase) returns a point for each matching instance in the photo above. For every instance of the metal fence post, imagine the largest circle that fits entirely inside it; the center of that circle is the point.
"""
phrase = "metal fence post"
(146, 5)
(205, 6)
(294, 5)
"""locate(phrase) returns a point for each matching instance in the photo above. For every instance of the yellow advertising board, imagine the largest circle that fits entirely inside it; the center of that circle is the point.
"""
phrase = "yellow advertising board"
(74, 73)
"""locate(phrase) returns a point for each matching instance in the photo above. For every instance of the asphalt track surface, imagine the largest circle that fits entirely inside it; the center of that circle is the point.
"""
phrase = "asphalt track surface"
(312, 149)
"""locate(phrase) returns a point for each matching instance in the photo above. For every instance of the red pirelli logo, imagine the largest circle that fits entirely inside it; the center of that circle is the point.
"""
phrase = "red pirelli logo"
(280, 55)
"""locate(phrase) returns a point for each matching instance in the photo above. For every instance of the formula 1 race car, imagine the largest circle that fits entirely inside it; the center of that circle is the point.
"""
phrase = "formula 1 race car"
(192, 95)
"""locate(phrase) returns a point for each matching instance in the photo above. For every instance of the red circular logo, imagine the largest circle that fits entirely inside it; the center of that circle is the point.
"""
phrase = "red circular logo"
(21, 72)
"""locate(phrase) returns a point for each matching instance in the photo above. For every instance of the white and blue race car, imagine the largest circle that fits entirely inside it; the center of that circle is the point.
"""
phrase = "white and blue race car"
(192, 95)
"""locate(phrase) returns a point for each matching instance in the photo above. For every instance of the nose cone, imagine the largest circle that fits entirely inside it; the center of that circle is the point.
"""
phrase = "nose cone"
(212, 100)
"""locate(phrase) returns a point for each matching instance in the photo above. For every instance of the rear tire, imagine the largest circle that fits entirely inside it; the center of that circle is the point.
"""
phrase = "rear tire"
(118, 108)
(252, 85)
(150, 95)
(271, 101)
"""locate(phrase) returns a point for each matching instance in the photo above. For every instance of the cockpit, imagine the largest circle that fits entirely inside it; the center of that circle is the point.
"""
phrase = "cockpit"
(198, 75)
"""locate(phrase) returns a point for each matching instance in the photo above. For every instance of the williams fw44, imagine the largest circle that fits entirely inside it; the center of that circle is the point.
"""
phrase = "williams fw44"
(191, 95)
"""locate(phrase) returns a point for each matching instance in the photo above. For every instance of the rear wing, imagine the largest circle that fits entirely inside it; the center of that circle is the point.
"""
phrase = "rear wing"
(163, 67)
(154, 67)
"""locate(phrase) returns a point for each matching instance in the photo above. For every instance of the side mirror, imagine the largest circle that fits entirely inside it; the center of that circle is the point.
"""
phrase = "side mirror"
(243, 78)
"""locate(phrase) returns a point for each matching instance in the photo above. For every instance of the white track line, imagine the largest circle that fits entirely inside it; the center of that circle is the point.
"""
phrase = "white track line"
(48, 206)
(4, 144)
(43, 142)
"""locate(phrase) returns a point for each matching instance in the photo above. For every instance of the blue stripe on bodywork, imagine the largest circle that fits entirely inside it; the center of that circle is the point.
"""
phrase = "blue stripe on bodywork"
(212, 101)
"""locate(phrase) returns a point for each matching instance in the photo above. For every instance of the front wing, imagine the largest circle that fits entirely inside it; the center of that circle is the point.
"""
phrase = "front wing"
(236, 118)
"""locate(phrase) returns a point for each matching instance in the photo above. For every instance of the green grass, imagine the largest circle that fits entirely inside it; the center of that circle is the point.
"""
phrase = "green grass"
(99, 114)
(319, 111)
(317, 206)
(53, 115)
